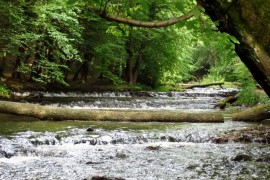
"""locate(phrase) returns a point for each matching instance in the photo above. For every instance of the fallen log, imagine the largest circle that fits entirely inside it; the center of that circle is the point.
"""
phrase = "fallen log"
(52, 113)
(255, 114)
(190, 86)
(227, 100)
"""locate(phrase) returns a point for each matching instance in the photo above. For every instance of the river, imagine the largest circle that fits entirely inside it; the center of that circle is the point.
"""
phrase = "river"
(33, 149)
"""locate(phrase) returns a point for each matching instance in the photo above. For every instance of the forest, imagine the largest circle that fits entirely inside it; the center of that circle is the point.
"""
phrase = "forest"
(57, 43)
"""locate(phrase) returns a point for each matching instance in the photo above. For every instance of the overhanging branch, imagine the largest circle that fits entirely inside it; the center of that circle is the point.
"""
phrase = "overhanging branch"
(137, 23)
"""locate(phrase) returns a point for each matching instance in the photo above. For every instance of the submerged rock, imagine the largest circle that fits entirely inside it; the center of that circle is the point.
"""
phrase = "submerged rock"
(264, 158)
(7, 151)
(153, 148)
(91, 162)
(89, 129)
(105, 178)
(121, 155)
(242, 157)
(246, 135)
(6, 154)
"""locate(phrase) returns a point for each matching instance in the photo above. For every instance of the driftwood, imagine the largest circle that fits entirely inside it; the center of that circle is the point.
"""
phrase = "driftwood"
(52, 113)
(190, 86)
(255, 114)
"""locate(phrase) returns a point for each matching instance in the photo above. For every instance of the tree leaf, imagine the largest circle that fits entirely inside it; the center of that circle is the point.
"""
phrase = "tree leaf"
(233, 39)
(71, 2)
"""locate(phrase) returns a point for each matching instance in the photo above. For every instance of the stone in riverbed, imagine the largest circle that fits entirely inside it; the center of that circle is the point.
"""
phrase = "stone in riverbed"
(89, 129)
(242, 157)
(105, 178)
(264, 158)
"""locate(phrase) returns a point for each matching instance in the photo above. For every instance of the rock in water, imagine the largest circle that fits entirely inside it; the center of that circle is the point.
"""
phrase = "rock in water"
(242, 157)
(89, 129)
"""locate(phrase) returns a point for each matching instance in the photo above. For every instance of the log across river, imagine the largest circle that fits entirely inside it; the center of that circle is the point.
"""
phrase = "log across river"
(55, 113)
(130, 106)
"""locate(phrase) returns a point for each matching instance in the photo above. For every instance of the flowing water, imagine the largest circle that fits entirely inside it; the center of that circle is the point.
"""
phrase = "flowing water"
(33, 149)
(198, 98)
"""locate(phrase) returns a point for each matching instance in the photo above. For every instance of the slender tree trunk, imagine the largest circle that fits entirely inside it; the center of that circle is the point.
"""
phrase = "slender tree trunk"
(83, 70)
(84, 67)
(16, 74)
(136, 68)
(128, 69)
(35, 69)
(2, 65)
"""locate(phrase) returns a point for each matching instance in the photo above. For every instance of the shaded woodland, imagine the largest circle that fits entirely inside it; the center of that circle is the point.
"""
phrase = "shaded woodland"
(57, 43)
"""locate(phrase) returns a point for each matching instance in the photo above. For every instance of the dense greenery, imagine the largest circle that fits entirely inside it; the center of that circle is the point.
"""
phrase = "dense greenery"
(56, 41)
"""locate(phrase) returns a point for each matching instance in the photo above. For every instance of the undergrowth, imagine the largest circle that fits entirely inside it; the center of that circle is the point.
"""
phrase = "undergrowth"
(4, 91)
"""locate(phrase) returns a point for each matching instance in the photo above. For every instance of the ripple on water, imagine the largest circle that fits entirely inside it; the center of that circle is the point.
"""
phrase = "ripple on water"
(175, 151)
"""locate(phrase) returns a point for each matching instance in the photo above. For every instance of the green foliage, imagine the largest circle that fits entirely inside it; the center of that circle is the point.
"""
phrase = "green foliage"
(52, 72)
(249, 94)
(214, 58)
(213, 77)
(4, 92)
(48, 32)
(49, 37)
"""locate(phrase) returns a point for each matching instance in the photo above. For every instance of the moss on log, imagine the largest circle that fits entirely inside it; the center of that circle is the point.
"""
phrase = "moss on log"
(52, 113)
(227, 100)
(255, 114)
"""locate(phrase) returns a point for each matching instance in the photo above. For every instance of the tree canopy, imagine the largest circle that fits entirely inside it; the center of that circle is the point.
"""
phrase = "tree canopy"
(59, 41)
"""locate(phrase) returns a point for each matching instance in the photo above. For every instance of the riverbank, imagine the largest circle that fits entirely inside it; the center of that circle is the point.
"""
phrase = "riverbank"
(16, 85)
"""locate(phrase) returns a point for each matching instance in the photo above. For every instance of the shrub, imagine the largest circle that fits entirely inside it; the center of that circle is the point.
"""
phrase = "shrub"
(4, 92)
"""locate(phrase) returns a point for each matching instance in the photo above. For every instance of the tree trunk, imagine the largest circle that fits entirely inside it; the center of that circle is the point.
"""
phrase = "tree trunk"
(52, 113)
(16, 74)
(84, 67)
(2, 65)
(136, 68)
(255, 114)
(249, 22)
(128, 70)
(129, 78)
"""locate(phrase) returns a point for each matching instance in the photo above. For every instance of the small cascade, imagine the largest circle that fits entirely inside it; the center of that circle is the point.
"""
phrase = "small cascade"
(197, 98)
(25, 142)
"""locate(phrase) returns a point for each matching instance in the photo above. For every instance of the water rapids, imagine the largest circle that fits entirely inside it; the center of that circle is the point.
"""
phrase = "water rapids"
(33, 149)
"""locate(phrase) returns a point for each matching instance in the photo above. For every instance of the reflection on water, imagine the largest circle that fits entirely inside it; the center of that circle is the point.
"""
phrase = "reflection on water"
(79, 150)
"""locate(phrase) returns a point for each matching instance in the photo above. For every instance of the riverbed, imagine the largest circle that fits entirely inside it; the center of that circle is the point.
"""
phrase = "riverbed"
(34, 149)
